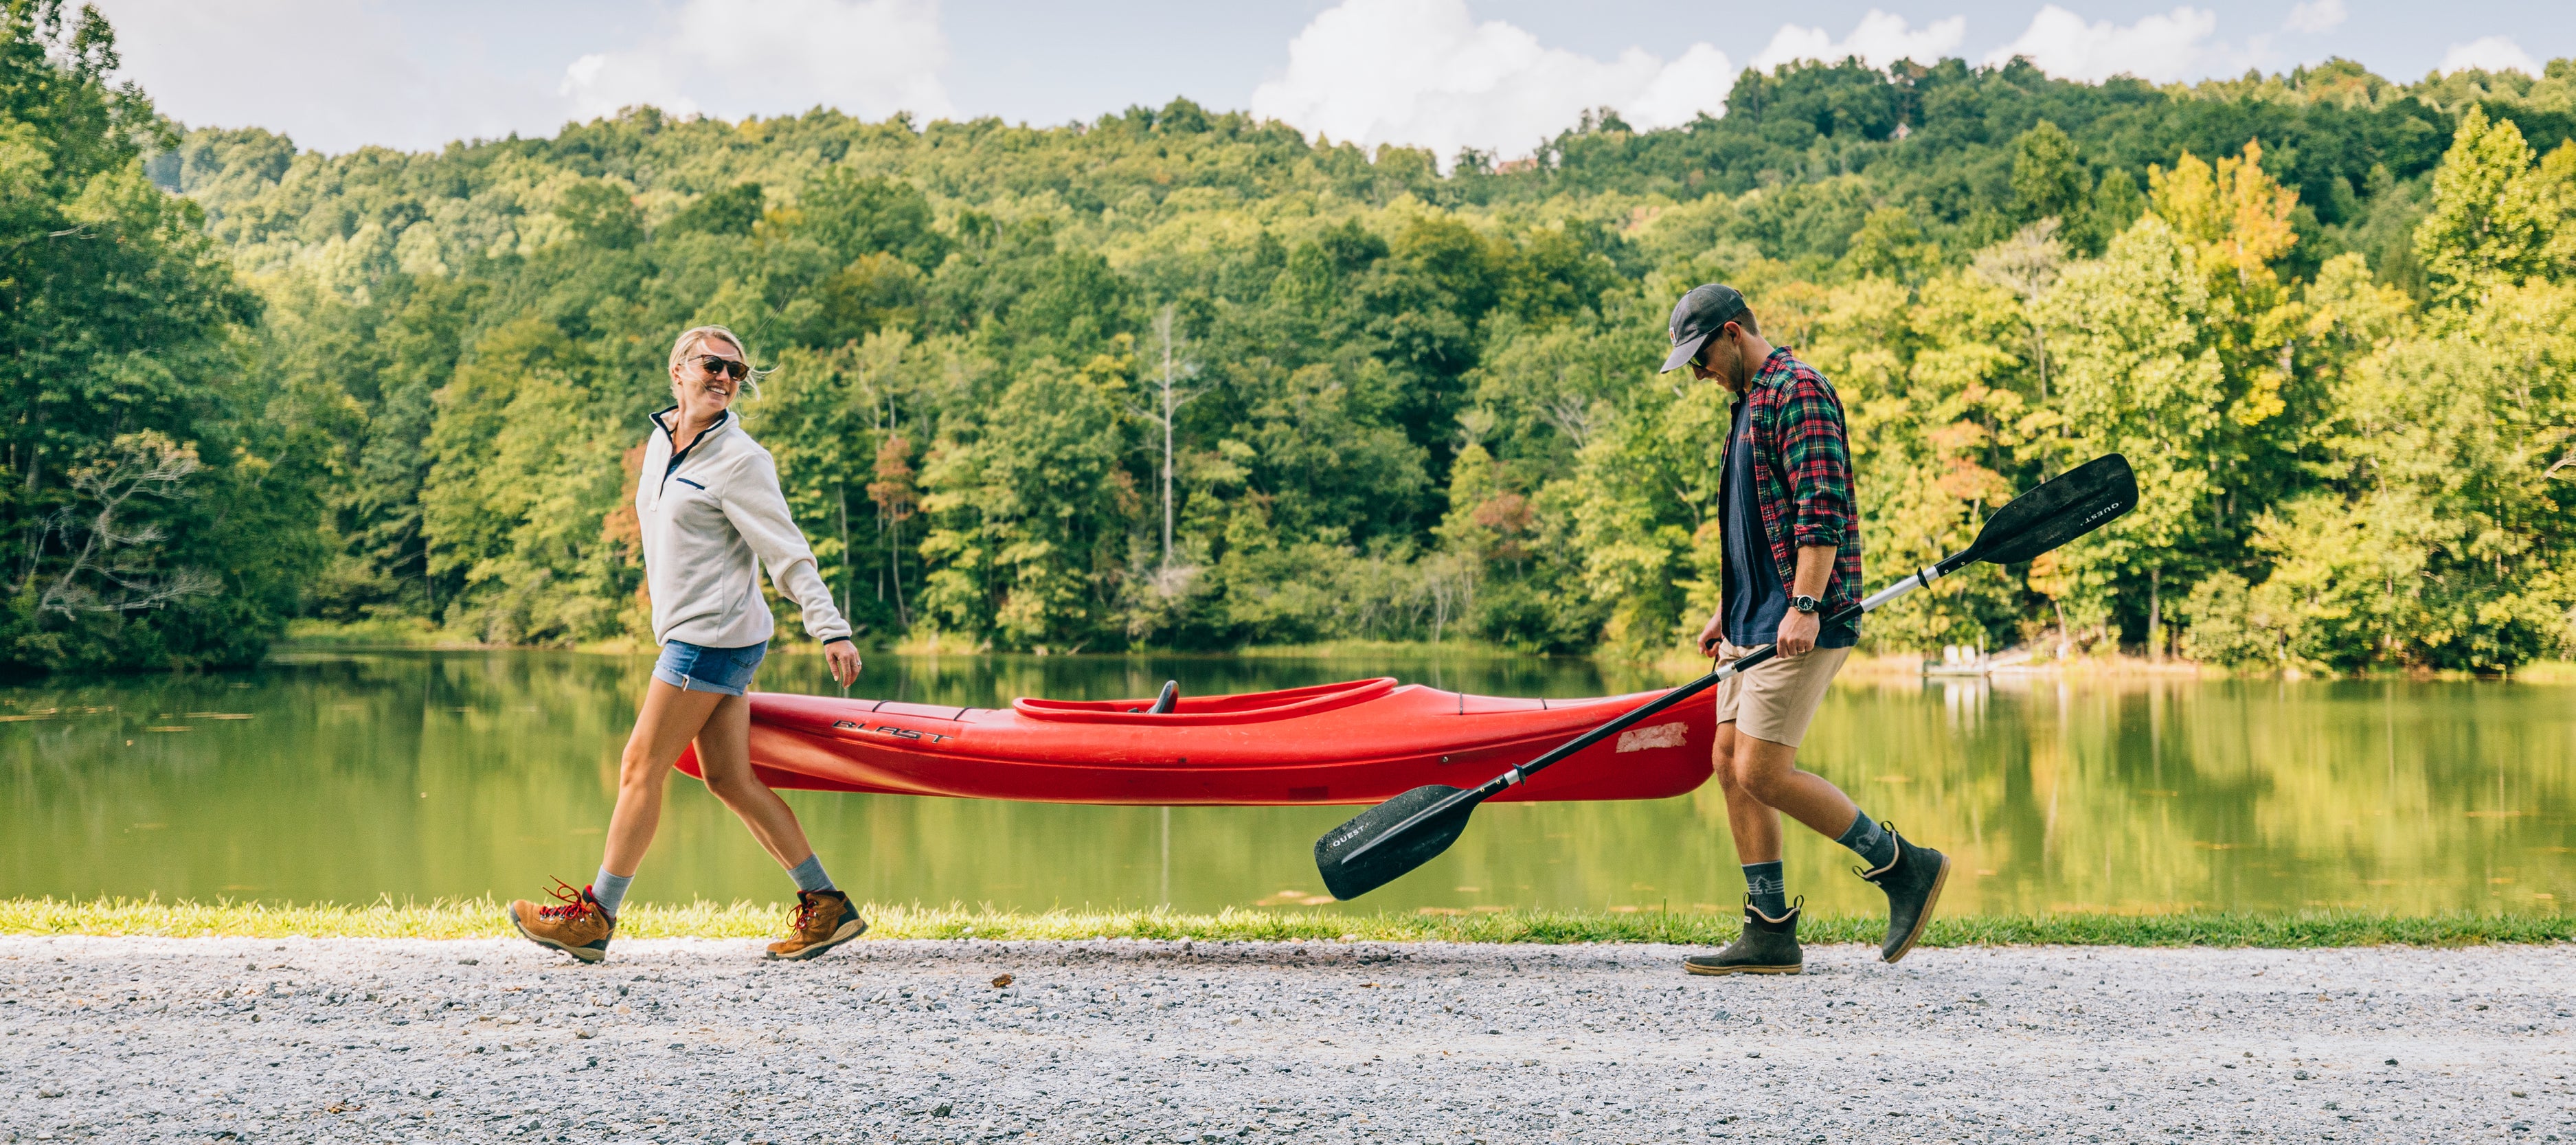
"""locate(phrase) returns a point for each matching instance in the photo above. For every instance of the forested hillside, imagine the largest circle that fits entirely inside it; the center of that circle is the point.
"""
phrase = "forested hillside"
(2328, 316)
(148, 514)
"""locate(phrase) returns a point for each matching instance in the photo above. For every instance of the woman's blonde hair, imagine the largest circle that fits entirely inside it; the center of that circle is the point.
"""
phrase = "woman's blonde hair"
(696, 334)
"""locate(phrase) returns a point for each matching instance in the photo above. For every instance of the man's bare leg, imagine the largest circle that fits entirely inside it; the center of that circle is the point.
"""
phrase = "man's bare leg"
(1761, 779)
(1769, 941)
(1768, 773)
(1755, 824)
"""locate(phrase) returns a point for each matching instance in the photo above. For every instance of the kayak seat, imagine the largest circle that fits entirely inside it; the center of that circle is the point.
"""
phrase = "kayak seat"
(1164, 703)
(1170, 708)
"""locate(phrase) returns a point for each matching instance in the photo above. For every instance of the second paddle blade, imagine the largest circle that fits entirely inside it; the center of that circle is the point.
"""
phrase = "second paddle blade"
(1350, 878)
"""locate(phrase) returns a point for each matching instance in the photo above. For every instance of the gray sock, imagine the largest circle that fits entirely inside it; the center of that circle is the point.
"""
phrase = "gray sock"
(1767, 887)
(1867, 840)
(610, 890)
(809, 875)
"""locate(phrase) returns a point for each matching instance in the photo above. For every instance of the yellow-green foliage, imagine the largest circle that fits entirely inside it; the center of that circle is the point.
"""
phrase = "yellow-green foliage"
(1412, 403)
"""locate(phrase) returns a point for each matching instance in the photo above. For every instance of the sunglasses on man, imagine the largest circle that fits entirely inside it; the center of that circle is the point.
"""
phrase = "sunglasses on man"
(725, 366)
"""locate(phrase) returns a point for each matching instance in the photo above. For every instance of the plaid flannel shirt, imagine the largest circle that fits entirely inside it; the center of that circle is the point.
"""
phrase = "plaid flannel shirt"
(1802, 473)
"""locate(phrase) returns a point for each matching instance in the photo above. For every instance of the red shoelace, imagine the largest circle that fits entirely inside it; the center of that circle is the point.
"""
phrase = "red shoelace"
(805, 908)
(576, 904)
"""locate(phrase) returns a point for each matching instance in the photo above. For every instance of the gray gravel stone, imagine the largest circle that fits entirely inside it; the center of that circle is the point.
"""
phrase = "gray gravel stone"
(698, 1041)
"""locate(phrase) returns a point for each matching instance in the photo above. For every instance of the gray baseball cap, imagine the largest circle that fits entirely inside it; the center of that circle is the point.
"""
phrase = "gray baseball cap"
(1698, 317)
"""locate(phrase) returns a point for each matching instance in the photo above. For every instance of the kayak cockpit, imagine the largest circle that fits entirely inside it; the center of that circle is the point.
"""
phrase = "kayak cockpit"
(1248, 708)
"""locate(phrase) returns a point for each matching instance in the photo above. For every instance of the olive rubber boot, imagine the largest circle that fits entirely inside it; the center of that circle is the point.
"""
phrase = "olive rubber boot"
(1767, 946)
(579, 926)
(1912, 881)
(823, 920)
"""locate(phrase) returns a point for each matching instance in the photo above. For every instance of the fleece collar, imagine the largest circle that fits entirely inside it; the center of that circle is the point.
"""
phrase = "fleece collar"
(672, 432)
(671, 435)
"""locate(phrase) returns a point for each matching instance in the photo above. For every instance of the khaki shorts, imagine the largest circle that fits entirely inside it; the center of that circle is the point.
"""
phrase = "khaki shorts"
(1777, 699)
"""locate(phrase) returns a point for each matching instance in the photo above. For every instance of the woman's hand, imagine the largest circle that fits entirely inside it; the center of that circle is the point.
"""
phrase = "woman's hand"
(1712, 634)
(843, 658)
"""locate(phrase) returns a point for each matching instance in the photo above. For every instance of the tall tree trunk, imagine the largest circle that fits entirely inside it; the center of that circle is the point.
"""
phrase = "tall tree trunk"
(849, 572)
(1167, 455)
(2156, 615)
(894, 560)
(1163, 328)
(2039, 355)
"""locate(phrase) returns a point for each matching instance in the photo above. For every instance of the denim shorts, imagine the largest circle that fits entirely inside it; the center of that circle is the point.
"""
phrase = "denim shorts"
(697, 668)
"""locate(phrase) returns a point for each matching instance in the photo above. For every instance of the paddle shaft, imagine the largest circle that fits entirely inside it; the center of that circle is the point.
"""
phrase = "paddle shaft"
(1745, 663)
(2057, 511)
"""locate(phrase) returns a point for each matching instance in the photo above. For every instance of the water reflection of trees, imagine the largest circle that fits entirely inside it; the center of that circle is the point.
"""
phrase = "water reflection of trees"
(2153, 795)
(467, 773)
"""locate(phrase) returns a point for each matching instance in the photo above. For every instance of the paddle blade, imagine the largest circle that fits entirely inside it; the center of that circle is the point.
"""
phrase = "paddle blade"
(1349, 878)
(2079, 501)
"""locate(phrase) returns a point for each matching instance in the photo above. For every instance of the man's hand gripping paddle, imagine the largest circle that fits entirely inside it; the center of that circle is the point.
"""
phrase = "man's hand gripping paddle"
(1384, 842)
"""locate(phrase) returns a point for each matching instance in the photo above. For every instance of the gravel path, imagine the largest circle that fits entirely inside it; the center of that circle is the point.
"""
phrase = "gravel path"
(697, 1041)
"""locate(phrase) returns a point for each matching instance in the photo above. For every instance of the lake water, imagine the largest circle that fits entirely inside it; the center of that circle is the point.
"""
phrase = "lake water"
(348, 775)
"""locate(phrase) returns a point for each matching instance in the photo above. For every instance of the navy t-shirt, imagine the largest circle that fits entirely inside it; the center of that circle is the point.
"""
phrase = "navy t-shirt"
(1755, 599)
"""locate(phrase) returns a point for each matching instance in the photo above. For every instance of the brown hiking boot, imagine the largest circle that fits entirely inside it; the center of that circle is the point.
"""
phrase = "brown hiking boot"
(824, 919)
(576, 925)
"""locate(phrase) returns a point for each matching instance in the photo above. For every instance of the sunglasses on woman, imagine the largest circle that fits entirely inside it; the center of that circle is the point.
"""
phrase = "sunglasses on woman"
(725, 366)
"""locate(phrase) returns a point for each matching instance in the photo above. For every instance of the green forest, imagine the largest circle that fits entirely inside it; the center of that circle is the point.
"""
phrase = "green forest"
(1183, 379)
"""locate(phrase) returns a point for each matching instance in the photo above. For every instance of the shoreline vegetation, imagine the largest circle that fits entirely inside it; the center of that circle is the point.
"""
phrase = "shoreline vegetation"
(482, 918)
(1187, 378)
(414, 634)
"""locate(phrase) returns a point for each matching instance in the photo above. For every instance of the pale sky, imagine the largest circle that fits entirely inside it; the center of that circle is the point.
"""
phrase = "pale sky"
(1496, 74)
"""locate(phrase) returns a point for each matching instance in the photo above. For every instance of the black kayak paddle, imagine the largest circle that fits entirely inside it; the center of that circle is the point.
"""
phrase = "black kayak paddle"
(1383, 843)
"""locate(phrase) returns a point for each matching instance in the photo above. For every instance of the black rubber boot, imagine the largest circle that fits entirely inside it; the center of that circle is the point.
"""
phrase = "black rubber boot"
(1913, 885)
(1767, 946)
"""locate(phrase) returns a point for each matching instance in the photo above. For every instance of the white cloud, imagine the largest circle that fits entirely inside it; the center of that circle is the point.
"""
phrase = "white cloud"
(2489, 53)
(334, 75)
(2314, 16)
(1682, 89)
(1880, 39)
(341, 74)
(2164, 47)
(1424, 73)
(869, 58)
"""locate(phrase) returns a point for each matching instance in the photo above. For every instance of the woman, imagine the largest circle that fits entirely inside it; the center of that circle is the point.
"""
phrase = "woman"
(711, 513)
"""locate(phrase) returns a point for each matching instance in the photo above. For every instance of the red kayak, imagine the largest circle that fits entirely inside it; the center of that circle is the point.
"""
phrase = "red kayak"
(1359, 742)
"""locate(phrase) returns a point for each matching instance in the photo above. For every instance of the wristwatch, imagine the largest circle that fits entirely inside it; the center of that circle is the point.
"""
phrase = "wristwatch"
(1807, 604)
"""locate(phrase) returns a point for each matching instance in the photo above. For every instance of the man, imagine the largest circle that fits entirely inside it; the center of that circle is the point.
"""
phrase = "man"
(1792, 555)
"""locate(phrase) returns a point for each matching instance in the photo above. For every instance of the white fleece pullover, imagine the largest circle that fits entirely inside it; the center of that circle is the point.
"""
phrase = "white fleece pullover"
(709, 523)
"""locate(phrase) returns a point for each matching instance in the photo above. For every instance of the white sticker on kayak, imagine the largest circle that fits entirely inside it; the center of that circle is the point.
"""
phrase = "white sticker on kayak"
(1660, 735)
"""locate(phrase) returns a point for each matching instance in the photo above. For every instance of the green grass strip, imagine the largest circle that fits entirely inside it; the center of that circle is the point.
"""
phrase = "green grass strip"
(481, 918)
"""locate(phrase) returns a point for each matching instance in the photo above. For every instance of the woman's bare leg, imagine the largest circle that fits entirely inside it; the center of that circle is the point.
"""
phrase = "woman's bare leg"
(670, 719)
(724, 757)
